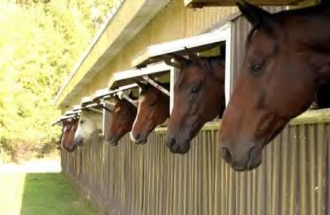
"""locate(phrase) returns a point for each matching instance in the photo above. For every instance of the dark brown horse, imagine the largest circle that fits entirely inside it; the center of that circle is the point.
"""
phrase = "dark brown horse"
(153, 110)
(287, 61)
(322, 97)
(69, 127)
(121, 120)
(198, 98)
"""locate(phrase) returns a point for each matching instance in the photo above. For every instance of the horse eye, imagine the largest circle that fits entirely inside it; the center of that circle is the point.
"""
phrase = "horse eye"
(82, 121)
(152, 104)
(256, 68)
(195, 89)
(126, 113)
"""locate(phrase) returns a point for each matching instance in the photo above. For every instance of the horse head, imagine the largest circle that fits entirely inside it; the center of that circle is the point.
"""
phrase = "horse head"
(68, 131)
(198, 98)
(287, 59)
(89, 126)
(121, 120)
(152, 111)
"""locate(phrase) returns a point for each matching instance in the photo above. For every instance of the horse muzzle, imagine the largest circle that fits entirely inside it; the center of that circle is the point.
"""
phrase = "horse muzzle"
(112, 140)
(79, 141)
(138, 138)
(247, 157)
(178, 147)
(70, 148)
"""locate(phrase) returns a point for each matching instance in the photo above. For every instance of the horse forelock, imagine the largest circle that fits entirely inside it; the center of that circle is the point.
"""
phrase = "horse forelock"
(250, 36)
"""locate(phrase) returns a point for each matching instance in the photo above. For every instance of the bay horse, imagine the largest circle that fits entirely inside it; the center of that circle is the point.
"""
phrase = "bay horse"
(89, 127)
(152, 111)
(322, 97)
(69, 127)
(121, 120)
(287, 61)
(199, 97)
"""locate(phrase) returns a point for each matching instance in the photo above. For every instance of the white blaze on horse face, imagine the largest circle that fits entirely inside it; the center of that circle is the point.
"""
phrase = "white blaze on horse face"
(132, 136)
(141, 100)
(117, 109)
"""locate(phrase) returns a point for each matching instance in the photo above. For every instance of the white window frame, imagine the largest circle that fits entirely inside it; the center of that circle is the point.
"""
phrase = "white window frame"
(222, 34)
(150, 70)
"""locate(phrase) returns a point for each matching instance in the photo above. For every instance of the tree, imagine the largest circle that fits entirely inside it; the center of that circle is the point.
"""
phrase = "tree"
(40, 43)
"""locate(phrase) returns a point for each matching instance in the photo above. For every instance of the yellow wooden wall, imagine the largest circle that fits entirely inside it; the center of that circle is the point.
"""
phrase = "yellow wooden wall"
(172, 23)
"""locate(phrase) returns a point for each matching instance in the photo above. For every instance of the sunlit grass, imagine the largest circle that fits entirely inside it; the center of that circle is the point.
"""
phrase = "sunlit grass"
(40, 194)
(11, 193)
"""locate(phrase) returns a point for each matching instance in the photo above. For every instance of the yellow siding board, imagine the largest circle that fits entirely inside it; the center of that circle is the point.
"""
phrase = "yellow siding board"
(172, 23)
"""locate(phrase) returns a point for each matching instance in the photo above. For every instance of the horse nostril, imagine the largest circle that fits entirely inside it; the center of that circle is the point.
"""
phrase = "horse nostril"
(252, 153)
(137, 136)
(225, 154)
(172, 142)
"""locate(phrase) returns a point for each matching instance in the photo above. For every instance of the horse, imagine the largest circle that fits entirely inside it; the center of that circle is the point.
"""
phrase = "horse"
(199, 97)
(89, 127)
(152, 111)
(68, 131)
(121, 120)
(322, 97)
(287, 61)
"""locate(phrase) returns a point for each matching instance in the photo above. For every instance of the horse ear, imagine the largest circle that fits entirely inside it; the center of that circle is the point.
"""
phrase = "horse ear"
(116, 98)
(193, 57)
(141, 85)
(197, 60)
(255, 15)
(181, 60)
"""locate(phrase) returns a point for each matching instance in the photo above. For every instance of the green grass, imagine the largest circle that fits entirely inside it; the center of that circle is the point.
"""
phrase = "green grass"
(40, 194)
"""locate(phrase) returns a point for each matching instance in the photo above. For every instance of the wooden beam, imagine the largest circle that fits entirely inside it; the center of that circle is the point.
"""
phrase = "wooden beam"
(308, 117)
(221, 3)
(124, 79)
(155, 84)
(86, 100)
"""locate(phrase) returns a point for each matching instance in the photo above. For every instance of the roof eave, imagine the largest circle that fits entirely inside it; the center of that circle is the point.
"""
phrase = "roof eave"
(147, 10)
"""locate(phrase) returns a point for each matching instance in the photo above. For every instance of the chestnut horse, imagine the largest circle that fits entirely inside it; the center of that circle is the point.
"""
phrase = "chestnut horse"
(199, 96)
(68, 131)
(287, 61)
(153, 110)
(121, 120)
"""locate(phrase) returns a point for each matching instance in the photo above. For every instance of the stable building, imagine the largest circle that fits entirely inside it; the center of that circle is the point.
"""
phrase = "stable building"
(135, 42)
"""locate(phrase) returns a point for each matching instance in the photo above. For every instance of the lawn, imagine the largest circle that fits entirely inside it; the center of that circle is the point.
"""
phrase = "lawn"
(40, 194)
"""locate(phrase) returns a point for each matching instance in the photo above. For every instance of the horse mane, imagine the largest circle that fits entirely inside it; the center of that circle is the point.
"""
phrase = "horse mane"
(213, 59)
(306, 11)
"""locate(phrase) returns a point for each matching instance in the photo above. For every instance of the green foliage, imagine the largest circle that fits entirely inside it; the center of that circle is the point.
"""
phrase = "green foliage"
(40, 43)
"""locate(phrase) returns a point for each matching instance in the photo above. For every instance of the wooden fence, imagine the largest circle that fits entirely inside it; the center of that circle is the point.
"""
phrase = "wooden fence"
(140, 180)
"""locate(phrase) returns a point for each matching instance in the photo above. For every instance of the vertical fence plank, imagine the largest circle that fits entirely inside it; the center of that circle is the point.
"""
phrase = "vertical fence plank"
(132, 179)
